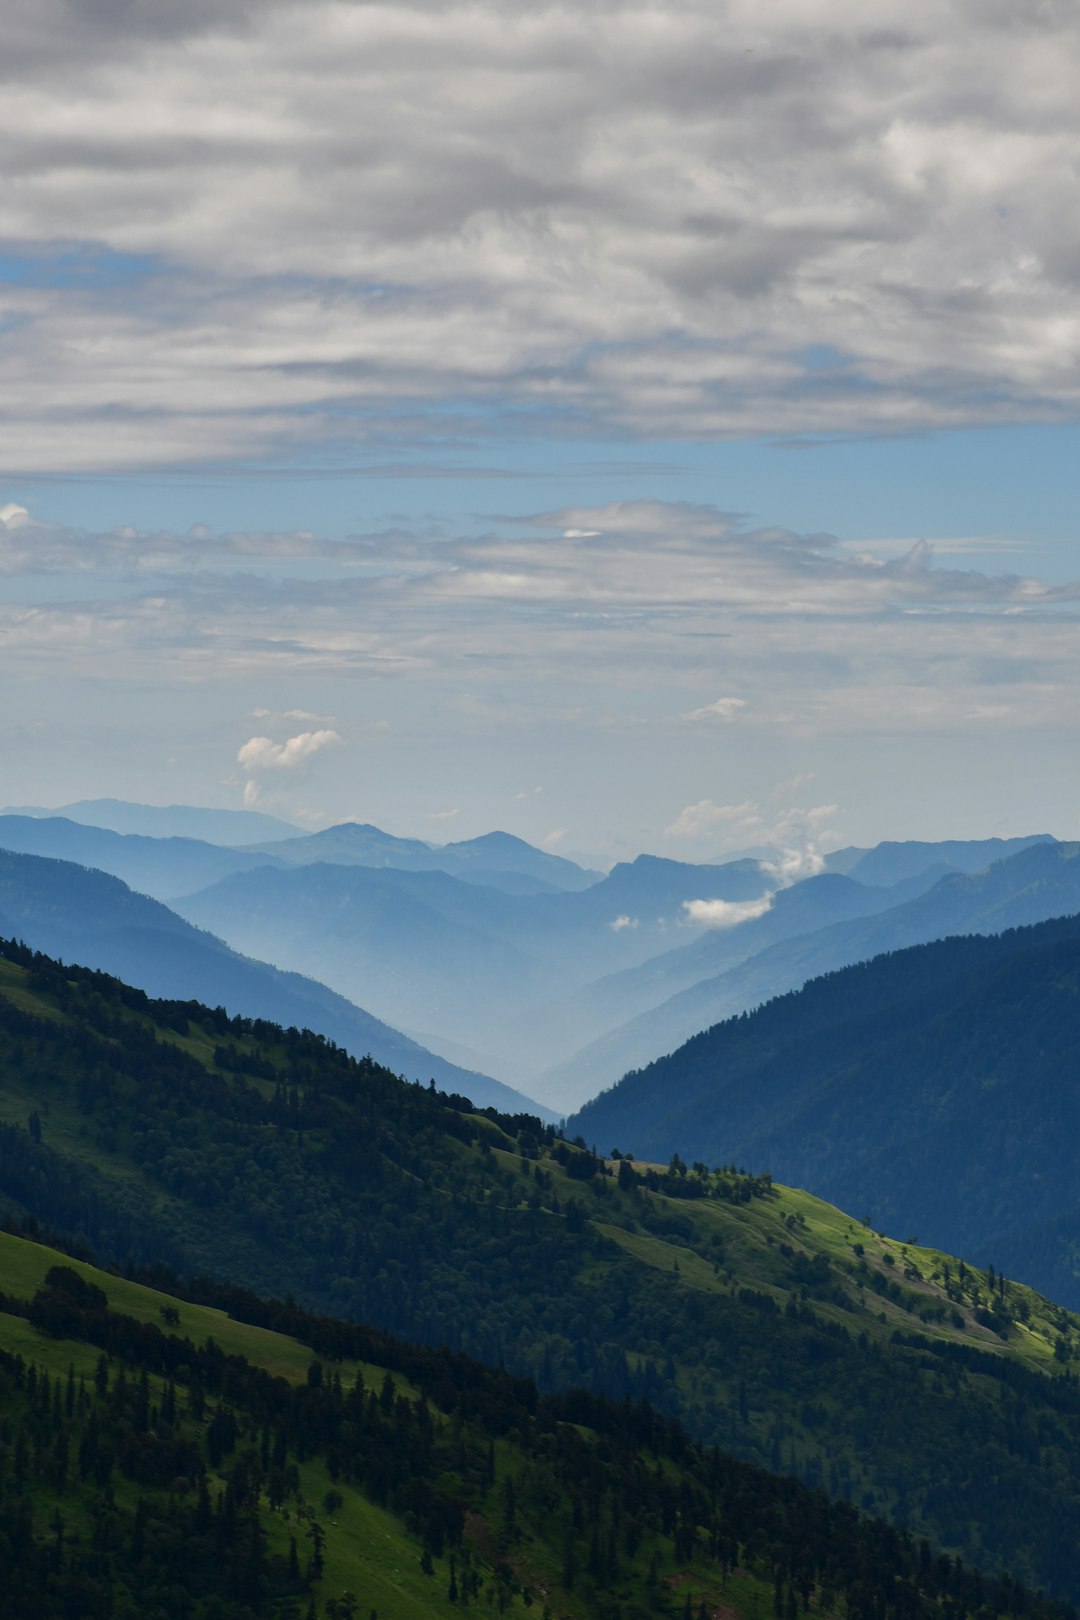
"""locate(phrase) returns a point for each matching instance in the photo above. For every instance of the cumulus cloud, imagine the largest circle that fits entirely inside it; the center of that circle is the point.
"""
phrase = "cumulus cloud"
(726, 913)
(619, 924)
(808, 219)
(263, 754)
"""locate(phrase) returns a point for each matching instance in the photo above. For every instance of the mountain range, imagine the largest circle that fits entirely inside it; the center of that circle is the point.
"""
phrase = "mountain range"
(506, 960)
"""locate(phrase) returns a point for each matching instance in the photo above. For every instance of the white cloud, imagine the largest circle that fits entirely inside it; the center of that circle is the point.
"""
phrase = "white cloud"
(444, 815)
(726, 913)
(619, 924)
(263, 754)
(552, 839)
(799, 837)
(723, 709)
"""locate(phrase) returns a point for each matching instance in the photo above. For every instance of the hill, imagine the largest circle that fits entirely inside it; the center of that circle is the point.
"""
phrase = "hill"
(82, 915)
(933, 1087)
(768, 1322)
(168, 1458)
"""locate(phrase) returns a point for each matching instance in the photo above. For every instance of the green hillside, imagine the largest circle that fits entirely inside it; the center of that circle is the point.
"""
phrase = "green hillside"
(162, 1135)
(159, 1458)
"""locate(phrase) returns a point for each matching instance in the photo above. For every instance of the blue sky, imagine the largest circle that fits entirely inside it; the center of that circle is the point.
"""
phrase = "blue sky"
(649, 426)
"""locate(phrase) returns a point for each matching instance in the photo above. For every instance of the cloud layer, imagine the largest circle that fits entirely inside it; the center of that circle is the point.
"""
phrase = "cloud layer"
(295, 231)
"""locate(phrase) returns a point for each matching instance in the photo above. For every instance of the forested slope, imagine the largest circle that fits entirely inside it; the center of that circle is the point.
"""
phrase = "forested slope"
(769, 1322)
(933, 1087)
(160, 1458)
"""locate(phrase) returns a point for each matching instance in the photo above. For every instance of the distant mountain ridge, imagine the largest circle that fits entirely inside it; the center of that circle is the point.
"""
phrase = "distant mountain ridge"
(493, 858)
(1031, 886)
(90, 917)
(228, 827)
(166, 868)
(437, 953)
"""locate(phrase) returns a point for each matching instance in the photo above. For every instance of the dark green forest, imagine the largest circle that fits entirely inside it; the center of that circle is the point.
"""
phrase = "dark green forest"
(158, 1134)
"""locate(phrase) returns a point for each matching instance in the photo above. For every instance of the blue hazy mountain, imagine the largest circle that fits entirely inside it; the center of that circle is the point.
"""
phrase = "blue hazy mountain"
(1040, 882)
(496, 859)
(227, 827)
(933, 1088)
(894, 862)
(92, 918)
(455, 958)
(162, 867)
(559, 1030)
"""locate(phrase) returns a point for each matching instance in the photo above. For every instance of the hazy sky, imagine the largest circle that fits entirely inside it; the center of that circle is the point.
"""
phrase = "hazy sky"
(633, 426)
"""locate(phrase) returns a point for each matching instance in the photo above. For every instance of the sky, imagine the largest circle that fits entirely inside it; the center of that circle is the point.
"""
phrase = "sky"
(633, 426)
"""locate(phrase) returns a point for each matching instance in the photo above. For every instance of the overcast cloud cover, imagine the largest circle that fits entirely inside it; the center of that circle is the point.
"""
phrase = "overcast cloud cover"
(239, 237)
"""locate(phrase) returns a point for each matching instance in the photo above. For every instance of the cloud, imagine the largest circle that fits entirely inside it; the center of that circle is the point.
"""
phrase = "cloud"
(553, 838)
(262, 754)
(518, 637)
(799, 837)
(528, 793)
(723, 709)
(726, 913)
(443, 815)
(624, 218)
(619, 924)
(706, 817)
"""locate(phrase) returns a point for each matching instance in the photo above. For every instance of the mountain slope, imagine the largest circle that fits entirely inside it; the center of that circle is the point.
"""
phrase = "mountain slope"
(1040, 882)
(90, 917)
(770, 1322)
(933, 1087)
